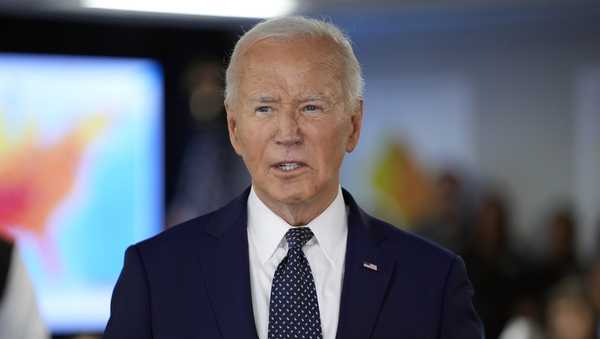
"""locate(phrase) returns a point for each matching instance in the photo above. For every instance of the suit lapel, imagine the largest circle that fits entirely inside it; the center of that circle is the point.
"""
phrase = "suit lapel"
(227, 272)
(363, 288)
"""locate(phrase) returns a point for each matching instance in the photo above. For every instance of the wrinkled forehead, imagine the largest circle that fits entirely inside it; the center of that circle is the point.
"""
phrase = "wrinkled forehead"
(318, 46)
(307, 66)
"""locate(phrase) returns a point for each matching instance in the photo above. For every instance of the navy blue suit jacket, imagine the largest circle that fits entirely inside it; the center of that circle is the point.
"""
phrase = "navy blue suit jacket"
(193, 281)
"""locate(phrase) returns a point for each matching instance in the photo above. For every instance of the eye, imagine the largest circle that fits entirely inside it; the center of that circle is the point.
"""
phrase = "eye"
(263, 109)
(311, 108)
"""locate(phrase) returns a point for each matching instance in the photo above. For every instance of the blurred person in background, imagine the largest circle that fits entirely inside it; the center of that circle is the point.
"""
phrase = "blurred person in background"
(560, 259)
(448, 225)
(522, 327)
(562, 254)
(211, 174)
(592, 284)
(569, 314)
(537, 277)
(527, 312)
(272, 263)
(19, 314)
(491, 264)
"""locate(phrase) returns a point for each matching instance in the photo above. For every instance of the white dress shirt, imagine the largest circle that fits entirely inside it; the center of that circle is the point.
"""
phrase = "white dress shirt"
(325, 253)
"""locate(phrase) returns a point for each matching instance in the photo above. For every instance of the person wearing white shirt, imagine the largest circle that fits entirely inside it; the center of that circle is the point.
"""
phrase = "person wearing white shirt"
(325, 252)
(293, 256)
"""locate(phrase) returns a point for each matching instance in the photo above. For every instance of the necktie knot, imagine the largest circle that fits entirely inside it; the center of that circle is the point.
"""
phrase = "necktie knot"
(298, 236)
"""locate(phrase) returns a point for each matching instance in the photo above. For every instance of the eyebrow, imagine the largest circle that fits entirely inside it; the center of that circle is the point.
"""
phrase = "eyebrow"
(313, 98)
(270, 99)
(265, 99)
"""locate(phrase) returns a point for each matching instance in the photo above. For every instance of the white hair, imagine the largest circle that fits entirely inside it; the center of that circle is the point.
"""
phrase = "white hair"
(292, 27)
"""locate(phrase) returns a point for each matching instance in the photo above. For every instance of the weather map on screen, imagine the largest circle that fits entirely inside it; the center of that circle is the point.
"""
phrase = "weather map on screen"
(80, 174)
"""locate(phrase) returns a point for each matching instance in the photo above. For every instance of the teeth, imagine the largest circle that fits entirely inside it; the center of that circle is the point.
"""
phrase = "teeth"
(289, 166)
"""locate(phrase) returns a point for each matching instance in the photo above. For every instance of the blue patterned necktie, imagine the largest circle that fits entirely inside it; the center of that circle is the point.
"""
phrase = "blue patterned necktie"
(294, 309)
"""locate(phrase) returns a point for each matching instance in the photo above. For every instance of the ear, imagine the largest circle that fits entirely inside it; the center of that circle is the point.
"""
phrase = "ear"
(356, 123)
(232, 127)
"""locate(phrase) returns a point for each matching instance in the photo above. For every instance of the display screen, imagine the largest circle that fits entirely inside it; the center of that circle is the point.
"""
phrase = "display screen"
(81, 154)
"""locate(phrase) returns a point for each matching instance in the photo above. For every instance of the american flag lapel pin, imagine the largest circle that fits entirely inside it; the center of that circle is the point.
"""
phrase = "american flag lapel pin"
(370, 266)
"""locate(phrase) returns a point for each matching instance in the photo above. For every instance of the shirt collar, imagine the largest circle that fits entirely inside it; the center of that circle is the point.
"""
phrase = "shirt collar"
(267, 229)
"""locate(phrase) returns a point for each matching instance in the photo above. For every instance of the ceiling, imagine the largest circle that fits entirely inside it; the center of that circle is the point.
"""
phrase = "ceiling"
(374, 15)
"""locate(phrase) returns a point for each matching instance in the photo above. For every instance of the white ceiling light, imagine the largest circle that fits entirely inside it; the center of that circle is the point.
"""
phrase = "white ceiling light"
(222, 8)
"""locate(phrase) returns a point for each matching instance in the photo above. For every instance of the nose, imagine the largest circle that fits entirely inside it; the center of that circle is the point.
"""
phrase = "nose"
(288, 129)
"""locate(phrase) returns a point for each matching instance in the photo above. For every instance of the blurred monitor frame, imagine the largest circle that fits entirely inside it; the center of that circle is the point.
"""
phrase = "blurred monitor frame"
(81, 141)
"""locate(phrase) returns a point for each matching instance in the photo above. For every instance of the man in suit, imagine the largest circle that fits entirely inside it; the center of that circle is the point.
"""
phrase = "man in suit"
(293, 256)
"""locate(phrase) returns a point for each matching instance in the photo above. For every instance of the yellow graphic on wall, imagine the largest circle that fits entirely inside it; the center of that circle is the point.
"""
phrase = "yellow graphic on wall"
(404, 190)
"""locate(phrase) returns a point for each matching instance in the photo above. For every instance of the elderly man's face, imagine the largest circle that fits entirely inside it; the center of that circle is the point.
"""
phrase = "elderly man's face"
(290, 122)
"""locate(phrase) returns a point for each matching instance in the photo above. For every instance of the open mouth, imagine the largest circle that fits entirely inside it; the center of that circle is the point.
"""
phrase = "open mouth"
(289, 166)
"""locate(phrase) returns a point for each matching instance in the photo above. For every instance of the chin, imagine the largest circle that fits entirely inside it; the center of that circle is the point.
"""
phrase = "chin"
(291, 194)
(292, 197)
